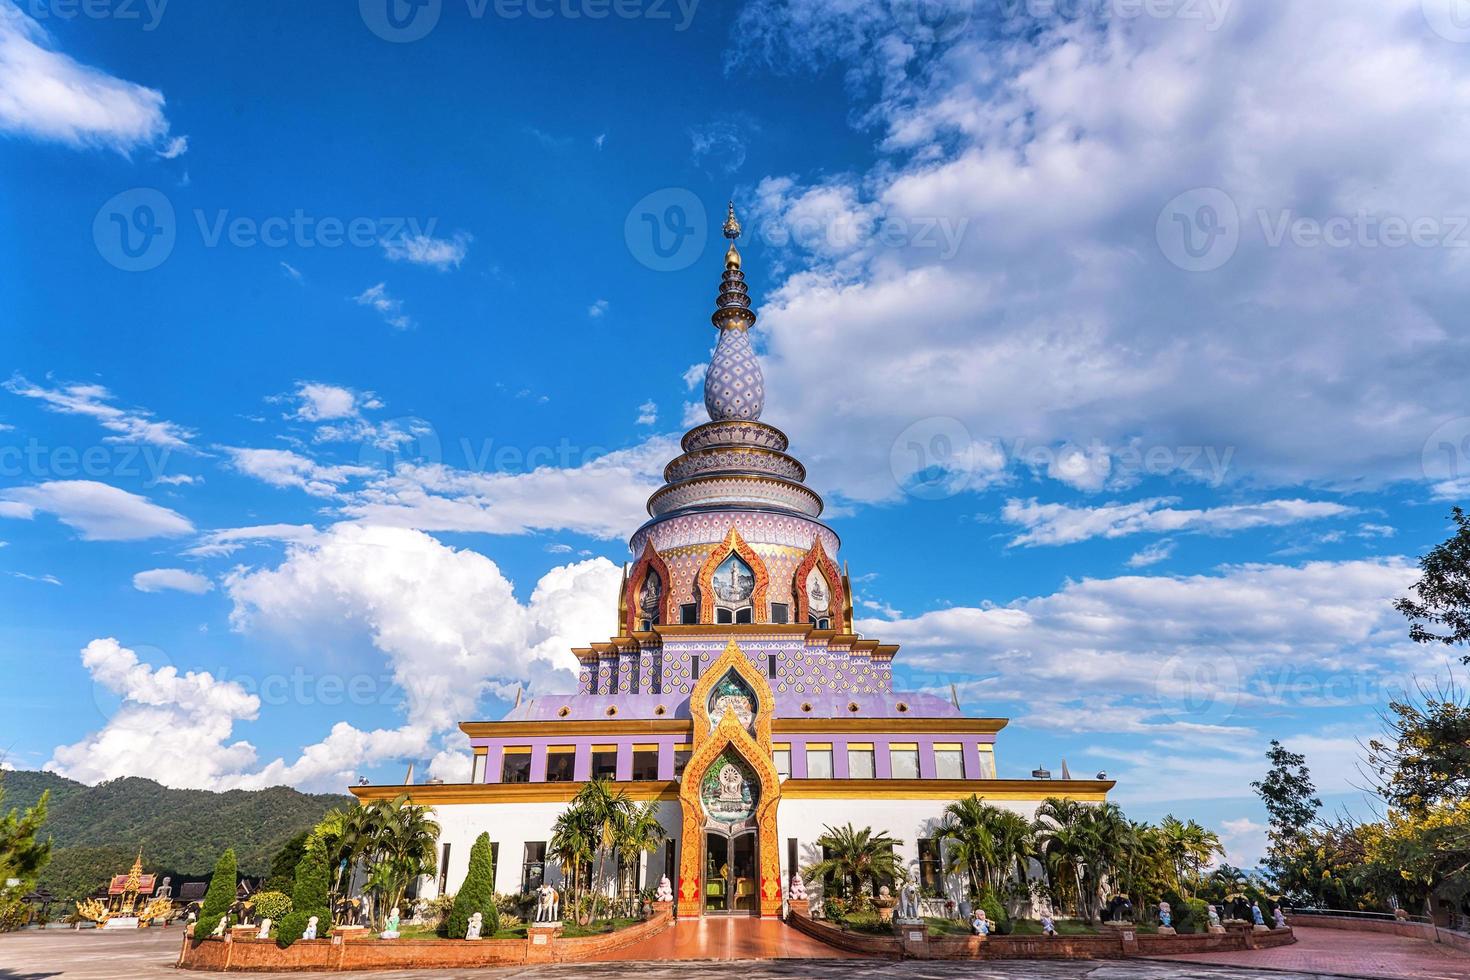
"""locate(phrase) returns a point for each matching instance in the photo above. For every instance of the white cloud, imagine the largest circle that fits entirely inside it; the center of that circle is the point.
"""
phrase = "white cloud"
(648, 413)
(1057, 524)
(603, 497)
(227, 541)
(91, 400)
(284, 468)
(1063, 135)
(175, 148)
(441, 253)
(317, 402)
(47, 95)
(175, 579)
(44, 579)
(179, 480)
(1152, 554)
(99, 511)
(598, 309)
(172, 727)
(447, 620)
(388, 307)
(719, 146)
(292, 273)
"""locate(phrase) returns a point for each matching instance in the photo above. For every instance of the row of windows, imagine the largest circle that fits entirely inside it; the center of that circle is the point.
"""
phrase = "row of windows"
(780, 615)
(862, 759)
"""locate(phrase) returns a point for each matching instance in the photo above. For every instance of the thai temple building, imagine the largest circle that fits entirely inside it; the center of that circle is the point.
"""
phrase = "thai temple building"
(735, 689)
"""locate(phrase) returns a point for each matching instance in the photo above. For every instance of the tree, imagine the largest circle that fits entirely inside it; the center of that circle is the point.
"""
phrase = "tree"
(219, 897)
(283, 863)
(857, 858)
(399, 846)
(639, 833)
(572, 847)
(1189, 847)
(1063, 846)
(22, 854)
(1441, 613)
(1423, 757)
(308, 897)
(1291, 804)
(987, 842)
(477, 894)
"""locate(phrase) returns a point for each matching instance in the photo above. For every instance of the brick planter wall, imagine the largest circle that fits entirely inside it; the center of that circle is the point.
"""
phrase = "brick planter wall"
(1102, 947)
(263, 955)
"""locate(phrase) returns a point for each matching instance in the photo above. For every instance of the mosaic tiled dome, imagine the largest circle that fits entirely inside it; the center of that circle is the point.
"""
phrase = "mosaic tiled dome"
(734, 388)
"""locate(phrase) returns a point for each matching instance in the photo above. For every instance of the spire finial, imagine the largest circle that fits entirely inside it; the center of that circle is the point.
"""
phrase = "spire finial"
(732, 232)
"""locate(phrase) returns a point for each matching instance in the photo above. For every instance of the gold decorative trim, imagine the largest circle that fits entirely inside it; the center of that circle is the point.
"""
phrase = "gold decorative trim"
(649, 559)
(733, 544)
(551, 728)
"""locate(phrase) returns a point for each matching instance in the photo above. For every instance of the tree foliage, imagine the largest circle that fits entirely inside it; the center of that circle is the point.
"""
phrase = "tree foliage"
(308, 896)
(1440, 611)
(22, 853)
(1422, 759)
(219, 897)
(477, 894)
(860, 861)
(397, 840)
(599, 823)
(1291, 806)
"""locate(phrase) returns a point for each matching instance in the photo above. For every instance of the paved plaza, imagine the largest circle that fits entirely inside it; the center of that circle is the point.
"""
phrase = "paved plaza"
(68, 955)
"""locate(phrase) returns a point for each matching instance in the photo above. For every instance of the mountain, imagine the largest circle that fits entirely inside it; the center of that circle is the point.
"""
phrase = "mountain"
(99, 829)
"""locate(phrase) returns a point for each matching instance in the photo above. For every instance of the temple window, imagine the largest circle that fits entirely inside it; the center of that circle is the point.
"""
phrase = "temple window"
(681, 759)
(689, 614)
(444, 869)
(949, 762)
(561, 764)
(781, 756)
(515, 766)
(780, 612)
(604, 762)
(645, 762)
(694, 667)
(860, 761)
(818, 599)
(477, 771)
(771, 665)
(733, 583)
(987, 762)
(818, 761)
(904, 761)
(533, 866)
(651, 599)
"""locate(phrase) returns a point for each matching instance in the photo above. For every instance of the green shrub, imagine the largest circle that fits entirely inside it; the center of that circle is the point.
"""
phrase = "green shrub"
(271, 905)
(308, 897)
(219, 897)
(477, 894)
(1198, 915)
(1000, 921)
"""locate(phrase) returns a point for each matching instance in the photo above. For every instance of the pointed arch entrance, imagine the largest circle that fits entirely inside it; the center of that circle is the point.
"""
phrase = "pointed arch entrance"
(729, 861)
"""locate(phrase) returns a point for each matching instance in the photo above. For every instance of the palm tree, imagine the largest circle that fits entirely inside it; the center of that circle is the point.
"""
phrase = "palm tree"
(1065, 844)
(399, 844)
(857, 858)
(639, 832)
(1189, 848)
(571, 847)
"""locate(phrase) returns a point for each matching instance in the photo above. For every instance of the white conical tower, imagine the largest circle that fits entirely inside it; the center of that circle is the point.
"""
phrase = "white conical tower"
(734, 388)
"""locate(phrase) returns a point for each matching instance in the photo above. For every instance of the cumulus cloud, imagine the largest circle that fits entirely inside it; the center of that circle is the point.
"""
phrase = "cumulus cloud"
(284, 468)
(317, 401)
(175, 579)
(172, 727)
(227, 541)
(47, 95)
(598, 309)
(603, 497)
(1056, 524)
(1152, 554)
(1064, 135)
(98, 511)
(648, 413)
(441, 253)
(93, 401)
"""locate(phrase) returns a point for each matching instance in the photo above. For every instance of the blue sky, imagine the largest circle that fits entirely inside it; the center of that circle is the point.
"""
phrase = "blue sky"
(1125, 349)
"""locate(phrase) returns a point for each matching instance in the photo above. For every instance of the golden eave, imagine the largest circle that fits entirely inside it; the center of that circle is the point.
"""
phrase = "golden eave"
(548, 728)
(1016, 790)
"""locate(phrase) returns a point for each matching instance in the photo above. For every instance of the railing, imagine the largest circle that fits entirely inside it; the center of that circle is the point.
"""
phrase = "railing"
(1366, 916)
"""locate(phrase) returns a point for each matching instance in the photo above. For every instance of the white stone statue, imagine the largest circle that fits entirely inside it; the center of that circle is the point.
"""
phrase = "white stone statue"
(265, 929)
(219, 930)
(548, 905)
(391, 930)
(980, 925)
(165, 890)
(1278, 917)
(1048, 927)
(310, 932)
(908, 902)
(798, 887)
(665, 891)
(476, 923)
(1214, 915)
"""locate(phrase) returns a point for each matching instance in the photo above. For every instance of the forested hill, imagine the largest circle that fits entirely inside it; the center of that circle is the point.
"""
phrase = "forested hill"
(180, 831)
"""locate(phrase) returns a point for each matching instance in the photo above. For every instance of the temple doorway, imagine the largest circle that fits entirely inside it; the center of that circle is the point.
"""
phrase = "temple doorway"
(730, 875)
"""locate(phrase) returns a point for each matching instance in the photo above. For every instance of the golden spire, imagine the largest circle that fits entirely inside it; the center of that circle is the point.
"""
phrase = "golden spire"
(732, 232)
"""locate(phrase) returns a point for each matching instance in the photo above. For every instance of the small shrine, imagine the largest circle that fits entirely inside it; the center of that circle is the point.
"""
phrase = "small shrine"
(132, 901)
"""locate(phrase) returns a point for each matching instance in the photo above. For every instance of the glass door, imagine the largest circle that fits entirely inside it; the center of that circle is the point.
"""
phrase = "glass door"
(743, 874)
(716, 873)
